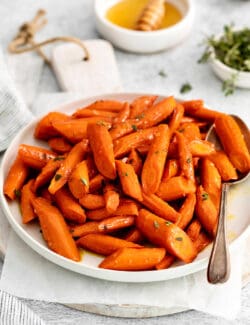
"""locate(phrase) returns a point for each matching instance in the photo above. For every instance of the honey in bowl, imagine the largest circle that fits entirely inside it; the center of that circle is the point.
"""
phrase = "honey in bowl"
(126, 13)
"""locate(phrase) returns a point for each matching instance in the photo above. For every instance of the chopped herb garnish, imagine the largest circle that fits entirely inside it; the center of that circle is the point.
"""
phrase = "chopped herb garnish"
(204, 196)
(185, 88)
(125, 174)
(84, 181)
(189, 160)
(156, 224)
(140, 116)
(168, 223)
(17, 192)
(59, 158)
(134, 127)
(57, 177)
(181, 130)
(101, 123)
(179, 238)
(162, 73)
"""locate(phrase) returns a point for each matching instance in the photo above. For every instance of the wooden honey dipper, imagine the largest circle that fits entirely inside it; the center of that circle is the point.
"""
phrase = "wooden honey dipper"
(151, 16)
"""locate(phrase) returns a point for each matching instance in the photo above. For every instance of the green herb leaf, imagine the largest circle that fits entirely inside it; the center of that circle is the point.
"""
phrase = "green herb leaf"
(140, 116)
(134, 127)
(168, 223)
(102, 123)
(179, 238)
(228, 86)
(84, 181)
(17, 193)
(156, 224)
(189, 160)
(59, 158)
(204, 196)
(125, 174)
(162, 73)
(185, 88)
(57, 177)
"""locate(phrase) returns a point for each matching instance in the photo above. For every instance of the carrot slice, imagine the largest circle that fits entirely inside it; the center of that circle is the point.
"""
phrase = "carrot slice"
(201, 148)
(106, 105)
(155, 161)
(187, 211)
(141, 104)
(79, 180)
(111, 197)
(190, 131)
(55, 230)
(167, 261)
(59, 145)
(166, 234)
(194, 229)
(224, 165)
(133, 259)
(134, 235)
(88, 112)
(92, 201)
(96, 183)
(171, 169)
(115, 223)
(15, 179)
(27, 196)
(91, 227)
(135, 160)
(47, 172)
(123, 114)
(176, 118)
(202, 241)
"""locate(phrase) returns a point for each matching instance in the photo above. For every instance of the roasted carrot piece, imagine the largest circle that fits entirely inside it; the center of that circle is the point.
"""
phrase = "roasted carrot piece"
(192, 105)
(166, 234)
(123, 115)
(75, 155)
(102, 147)
(87, 112)
(15, 179)
(133, 259)
(92, 170)
(194, 229)
(92, 201)
(116, 223)
(176, 118)
(79, 180)
(129, 180)
(155, 161)
(135, 160)
(202, 241)
(190, 131)
(76, 130)
(27, 196)
(59, 145)
(44, 129)
(211, 181)
(201, 148)
(55, 230)
(69, 207)
(96, 183)
(106, 105)
(224, 165)
(141, 104)
(111, 198)
(171, 169)
(206, 211)
(47, 172)
(233, 142)
(125, 144)
(185, 157)
(167, 261)
(121, 129)
(160, 207)
(35, 157)
(90, 227)
(47, 195)
(103, 244)
(196, 109)
(175, 188)
(187, 211)
(134, 235)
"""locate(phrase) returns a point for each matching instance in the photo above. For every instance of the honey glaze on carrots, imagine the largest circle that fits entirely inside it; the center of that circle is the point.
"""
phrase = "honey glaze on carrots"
(125, 13)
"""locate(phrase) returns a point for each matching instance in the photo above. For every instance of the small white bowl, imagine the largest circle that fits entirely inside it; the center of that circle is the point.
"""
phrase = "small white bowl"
(144, 42)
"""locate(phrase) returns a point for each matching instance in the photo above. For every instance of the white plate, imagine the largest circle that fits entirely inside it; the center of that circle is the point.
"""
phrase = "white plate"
(238, 221)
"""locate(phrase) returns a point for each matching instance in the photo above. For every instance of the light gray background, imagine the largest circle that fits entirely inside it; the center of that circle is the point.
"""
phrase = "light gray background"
(139, 73)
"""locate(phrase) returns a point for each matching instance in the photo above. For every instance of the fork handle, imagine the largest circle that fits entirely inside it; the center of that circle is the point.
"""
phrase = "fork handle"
(219, 263)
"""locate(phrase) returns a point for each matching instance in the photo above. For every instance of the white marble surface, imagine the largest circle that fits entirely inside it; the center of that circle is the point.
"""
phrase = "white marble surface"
(139, 73)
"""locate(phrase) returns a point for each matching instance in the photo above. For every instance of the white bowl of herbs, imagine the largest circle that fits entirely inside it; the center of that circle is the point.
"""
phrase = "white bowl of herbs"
(229, 56)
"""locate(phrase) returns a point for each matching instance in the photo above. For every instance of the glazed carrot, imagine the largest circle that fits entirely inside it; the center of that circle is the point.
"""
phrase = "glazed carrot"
(79, 180)
(211, 181)
(102, 147)
(111, 198)
(233, 142)
(143, 149)
(201, 148)
(196, 109)
(76, 130)
(92, 201)
(140, 104)
(171, 169)
(35, 157)
(90, 227)
(121, 129)
(190, 131)
(106, 105)
(187, 211)
(69, 207)
(27, 210)
(96, 183)
(116, 223)
(44, 129)
(47, 195)
(199, 123)
(185, 157)
(166, 234)
(224, 165)
(133, 259)
(194, 229)
(129, 180)
(87, 112)
(134, 235)
(192, 105)
(155, 161)
(206, 211)
(125, 144)
(167, 261)
(176, 118)
(15, 179)
(55, 230)
(103, 244)
(92, 170)
(47, 172)
(135, 160)
(123, 115)
(75, 155)
(59, 145)
(202, 241)
(175, 188)
(160, 207)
